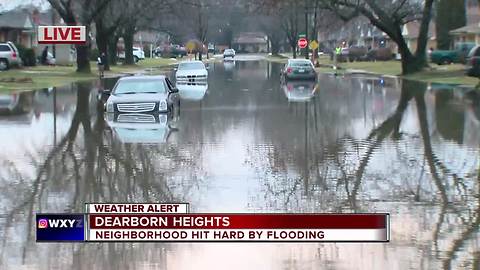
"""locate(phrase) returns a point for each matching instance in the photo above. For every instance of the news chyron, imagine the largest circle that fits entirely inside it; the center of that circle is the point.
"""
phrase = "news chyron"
(173, 222)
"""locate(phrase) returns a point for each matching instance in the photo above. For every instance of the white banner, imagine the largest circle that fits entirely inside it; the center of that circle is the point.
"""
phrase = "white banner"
(137, 208)
(56, 34)
(242, 235)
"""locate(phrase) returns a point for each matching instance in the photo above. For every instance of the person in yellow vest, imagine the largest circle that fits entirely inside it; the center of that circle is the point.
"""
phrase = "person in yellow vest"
(338, 51)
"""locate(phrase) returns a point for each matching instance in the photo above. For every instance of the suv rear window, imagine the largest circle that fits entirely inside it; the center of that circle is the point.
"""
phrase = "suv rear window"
(4, 48)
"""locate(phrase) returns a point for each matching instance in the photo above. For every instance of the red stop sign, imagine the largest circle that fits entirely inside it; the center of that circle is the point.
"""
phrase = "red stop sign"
(302, 43)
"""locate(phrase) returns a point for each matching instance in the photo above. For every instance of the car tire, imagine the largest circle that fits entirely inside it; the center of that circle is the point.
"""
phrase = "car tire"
(4, 64)
(136, 59)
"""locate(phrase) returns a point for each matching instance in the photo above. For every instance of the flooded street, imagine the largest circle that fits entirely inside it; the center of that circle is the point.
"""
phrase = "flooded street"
(245, 142)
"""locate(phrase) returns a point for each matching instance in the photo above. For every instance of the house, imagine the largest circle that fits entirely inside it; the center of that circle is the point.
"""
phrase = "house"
(470, 32)
(411, 30)
(17, 26)
(146, 38)
(357, 32)
(251, 42)
(64, 53)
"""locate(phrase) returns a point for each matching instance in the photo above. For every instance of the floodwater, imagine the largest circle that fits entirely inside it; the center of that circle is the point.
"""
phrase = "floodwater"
(246, 143)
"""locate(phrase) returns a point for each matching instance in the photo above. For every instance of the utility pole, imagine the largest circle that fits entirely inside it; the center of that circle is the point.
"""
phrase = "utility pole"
(306, 28)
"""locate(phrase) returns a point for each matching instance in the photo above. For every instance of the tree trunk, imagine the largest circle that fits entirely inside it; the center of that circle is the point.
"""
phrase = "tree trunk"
(450, 15)
(83, 58)
(274, 45)
(294, 50)
(102, 47)
(112, 49)
(128, 39)
(411, 63)
(102, 39)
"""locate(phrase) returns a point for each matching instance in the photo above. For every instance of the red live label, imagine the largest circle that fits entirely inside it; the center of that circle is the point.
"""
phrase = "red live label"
(62, 34)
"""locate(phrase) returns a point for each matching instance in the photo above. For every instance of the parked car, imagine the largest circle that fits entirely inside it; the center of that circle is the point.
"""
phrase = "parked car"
(229, 53)
(138, 54)
(141, 94)
(171, 51)
(9, 56)
(457, 55)
(299, 69)
(379, 54)
(191, 71)
(357, 53)
(473, 62)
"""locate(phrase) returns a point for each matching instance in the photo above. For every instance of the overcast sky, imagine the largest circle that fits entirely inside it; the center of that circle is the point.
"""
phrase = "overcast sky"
(10, 4)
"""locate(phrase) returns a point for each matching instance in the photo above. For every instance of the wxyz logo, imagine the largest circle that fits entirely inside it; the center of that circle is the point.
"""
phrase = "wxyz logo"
(59, 223)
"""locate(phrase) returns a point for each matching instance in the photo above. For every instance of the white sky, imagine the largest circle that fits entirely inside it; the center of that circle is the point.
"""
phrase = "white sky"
(10, 4)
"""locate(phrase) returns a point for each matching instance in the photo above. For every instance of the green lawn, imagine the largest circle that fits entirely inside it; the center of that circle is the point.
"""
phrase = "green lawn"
(37, 77)
(449, 74)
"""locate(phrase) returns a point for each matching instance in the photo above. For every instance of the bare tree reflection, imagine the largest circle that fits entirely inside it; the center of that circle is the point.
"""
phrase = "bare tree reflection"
(88, 165)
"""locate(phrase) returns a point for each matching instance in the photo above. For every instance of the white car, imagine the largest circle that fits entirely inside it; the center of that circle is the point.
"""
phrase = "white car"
(191, 71)
(229, 53)
(138, 54)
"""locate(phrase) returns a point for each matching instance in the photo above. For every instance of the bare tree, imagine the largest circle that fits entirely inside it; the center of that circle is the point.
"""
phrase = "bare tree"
(389, 16)
(81, 12)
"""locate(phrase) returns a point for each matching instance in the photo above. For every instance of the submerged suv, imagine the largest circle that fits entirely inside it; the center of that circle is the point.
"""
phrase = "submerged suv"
(9, 56)
(142, 94)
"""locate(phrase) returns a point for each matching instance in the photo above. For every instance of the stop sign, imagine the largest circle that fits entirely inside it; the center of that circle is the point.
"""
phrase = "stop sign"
(302, 43)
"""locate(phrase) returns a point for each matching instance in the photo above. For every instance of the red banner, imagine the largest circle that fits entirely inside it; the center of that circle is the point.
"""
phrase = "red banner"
(238, 221)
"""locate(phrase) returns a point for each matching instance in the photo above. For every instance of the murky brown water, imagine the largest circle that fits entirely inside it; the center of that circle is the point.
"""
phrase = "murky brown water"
(249, 144)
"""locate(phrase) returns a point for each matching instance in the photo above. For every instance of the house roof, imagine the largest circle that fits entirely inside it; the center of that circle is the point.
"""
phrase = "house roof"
(469, 29)
(16, 19)
(250, 38)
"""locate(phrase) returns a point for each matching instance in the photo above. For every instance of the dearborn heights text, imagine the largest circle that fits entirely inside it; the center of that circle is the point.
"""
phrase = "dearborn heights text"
(158, 221)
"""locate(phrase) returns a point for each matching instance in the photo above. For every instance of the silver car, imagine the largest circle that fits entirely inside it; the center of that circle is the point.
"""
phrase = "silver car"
(9, 56)
(141, 94)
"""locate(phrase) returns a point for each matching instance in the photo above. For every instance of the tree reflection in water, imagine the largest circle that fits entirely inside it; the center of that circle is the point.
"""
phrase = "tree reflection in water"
(336, 178)
(320, 156)
(88, 165)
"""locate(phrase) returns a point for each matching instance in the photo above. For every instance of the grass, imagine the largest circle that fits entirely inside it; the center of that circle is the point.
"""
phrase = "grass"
(277, 58)
(38, 77)
(447, 74)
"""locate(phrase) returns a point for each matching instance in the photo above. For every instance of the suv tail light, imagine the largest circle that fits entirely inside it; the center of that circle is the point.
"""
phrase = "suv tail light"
(14, 54)
(289, 70)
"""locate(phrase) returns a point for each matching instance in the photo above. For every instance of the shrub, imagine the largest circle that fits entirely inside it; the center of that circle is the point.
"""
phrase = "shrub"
(27, 55)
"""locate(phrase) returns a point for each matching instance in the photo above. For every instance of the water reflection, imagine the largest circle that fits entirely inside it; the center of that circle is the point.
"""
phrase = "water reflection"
(192, 91)
(140, 128)
(361, 145)
(16, 103)
(300, 90)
